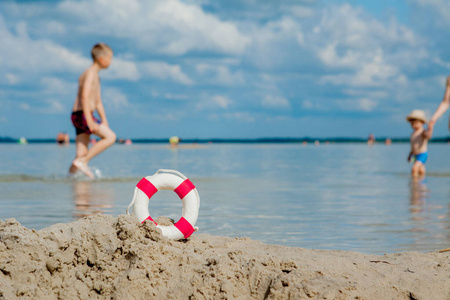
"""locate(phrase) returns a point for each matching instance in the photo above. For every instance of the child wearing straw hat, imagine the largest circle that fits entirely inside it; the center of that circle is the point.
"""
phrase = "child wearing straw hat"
(419, 141)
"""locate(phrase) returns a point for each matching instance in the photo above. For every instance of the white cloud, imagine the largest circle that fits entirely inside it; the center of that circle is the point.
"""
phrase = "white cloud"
(185, 27)
(165, 116)
(56, 28)
(300, 39)
(241, 116)
(196, 29)
(53, 106)
(12, 79)
(115, 99)
(442, 7)
(163, 70)
(300, 11)
(221, 101)
(275, 102)
(378, 94)
(214, 102)
(276, 43)
(219, 74)
(307, 104)
(170, 96)
(24, 106)
(54, 85)
(375, 72)
(442, 63)
(46, 106)
(354, 28)
(122, 69)
(367, 104)
(20, 53)
(329, 56)
(368, 52)
(361, 104)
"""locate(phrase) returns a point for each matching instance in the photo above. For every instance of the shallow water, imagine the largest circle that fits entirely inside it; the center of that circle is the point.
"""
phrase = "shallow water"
(336, 196)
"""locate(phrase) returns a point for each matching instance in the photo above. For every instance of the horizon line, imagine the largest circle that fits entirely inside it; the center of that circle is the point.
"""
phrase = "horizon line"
(243, 140)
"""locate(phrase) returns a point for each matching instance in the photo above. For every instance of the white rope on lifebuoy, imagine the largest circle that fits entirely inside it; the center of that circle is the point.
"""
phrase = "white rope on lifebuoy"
(168, 180)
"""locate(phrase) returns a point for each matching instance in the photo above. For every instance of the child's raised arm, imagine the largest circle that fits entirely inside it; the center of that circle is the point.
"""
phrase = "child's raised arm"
(444, 105)
(428, 133)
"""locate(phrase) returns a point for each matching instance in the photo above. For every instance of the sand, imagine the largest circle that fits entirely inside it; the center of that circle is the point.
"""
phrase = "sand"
(105, 257)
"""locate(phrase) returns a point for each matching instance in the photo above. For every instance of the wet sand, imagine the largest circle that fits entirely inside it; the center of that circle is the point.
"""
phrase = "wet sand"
(102, 257)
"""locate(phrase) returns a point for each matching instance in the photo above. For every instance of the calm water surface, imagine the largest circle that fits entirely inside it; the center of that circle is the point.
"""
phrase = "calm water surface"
(336, 196)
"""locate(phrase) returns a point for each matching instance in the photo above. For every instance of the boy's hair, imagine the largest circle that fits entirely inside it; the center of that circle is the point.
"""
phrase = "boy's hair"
(100, 49)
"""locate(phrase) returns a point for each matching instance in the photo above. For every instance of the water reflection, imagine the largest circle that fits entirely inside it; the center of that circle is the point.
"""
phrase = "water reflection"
(431, 220)
(91, 198)
(418, 194)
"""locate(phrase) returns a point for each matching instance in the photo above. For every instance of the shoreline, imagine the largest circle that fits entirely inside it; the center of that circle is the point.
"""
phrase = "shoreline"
(104, 256)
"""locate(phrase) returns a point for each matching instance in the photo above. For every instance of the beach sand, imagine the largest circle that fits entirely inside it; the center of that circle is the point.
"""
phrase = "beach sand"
(103, 256)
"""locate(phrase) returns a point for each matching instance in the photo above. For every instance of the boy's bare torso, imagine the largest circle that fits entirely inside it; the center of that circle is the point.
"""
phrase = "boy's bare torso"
(418, 142)
(91, 81)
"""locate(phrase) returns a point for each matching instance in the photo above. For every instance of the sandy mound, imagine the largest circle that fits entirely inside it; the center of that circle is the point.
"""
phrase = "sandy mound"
(106, 257)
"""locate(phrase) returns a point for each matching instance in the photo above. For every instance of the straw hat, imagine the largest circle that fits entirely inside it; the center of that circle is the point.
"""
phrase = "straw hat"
(417, 114)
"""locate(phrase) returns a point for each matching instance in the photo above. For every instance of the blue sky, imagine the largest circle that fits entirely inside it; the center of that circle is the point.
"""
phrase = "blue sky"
(227, 69)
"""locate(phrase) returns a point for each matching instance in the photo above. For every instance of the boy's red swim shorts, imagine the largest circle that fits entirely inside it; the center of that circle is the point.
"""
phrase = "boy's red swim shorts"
(79, 121)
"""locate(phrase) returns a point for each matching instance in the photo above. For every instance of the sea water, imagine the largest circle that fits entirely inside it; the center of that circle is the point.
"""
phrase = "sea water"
(331, 196)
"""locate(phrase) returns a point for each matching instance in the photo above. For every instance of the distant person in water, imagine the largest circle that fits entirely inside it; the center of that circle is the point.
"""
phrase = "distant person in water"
(419, 141)
(443, 106)
(63, 138)
(87, 102)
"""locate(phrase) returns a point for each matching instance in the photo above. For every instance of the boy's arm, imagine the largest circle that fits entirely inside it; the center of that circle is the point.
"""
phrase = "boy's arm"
(85, 94)
(101, 109)
(101, 113)
(409, 156)
(428, 133)
(444, 105)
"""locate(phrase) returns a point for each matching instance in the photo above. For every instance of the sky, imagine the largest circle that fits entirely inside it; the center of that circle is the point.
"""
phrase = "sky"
(227, 69)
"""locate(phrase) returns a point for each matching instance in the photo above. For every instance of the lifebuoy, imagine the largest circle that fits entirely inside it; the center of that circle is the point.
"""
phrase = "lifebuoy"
(185, 189)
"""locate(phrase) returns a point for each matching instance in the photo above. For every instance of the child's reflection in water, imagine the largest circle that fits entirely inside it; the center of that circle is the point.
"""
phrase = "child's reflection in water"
(91, 198)
(418, 194)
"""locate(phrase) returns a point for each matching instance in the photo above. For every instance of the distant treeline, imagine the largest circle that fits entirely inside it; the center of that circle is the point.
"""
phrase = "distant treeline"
(248, 141)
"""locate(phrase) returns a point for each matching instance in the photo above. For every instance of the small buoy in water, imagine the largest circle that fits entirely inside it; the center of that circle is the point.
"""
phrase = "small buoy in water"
(174, 140)
(23, 141)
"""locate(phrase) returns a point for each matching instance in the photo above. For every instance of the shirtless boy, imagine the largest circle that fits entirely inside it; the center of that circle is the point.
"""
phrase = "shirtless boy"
(88, 100)
(419, 141)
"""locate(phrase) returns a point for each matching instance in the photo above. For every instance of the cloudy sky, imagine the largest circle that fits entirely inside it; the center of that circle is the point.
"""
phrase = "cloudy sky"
(234, 68)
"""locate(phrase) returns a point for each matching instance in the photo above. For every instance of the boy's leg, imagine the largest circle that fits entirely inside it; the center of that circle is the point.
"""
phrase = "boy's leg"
(108, 138)
(80, 162)
(82, 142)
(417, 168)
(81, 146)
(422, 169)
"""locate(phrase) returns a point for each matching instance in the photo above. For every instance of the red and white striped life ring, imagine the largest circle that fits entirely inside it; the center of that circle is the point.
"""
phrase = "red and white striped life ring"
(185, 189)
